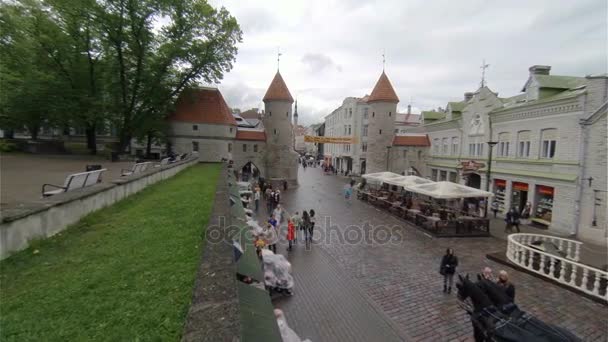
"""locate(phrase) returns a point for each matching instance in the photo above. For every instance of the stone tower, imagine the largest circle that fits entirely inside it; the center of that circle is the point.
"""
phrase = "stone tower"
(281, 158)
(381, 124)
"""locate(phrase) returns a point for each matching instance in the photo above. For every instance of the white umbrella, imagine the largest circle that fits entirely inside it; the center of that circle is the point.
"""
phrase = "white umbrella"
(406, 181)
(447, 190)
(380, 177)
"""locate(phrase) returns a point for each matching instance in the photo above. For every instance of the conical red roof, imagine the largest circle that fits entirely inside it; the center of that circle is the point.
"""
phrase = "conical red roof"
(278, 90)
(383, 91)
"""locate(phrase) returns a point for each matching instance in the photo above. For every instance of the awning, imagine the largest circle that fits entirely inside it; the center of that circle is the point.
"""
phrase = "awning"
(407, 181)
(448, 190)
(380, 177)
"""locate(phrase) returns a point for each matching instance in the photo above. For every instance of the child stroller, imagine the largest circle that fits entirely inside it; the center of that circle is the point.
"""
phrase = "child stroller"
(277, 273)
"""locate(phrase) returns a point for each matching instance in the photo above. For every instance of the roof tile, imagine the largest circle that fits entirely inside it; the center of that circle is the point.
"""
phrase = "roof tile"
(251, 135)
(383, 91)
(204, 105)
(278, 90)
(411, 140)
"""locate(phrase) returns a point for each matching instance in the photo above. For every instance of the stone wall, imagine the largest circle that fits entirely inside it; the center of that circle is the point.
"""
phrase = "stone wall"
(47, 217)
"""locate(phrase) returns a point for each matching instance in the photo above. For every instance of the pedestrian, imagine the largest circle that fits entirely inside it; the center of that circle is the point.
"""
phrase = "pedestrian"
(495, 208)
(352, 181)
(291, 233)
(512, 220)
(269, 200)
(297, 222)
(305, 224)
(525, 213)
(506, 285)
(277, 197)
(284, 185)
(449, 262)
(311, 228)
(271, 232)
(486, 273)
(278, 214)
(256, 198)
(348, 189)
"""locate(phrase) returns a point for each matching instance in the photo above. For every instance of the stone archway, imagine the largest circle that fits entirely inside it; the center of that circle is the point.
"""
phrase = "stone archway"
(474, 180)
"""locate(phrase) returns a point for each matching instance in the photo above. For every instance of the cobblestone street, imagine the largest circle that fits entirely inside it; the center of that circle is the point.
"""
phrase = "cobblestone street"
(349, 289)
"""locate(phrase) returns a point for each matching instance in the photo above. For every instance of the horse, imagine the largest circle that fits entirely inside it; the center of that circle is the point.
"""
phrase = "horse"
(496, 318)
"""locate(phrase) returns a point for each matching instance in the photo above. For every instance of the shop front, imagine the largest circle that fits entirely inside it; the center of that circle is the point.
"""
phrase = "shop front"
(519, 195)
(500, 193)
(544, 204)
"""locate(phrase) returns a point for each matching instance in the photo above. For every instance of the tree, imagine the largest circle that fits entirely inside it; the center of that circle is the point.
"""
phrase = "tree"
(152, 66)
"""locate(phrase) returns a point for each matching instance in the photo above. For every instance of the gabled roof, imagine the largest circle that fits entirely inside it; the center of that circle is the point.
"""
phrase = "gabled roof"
(383, 91)
(411, 140)
(251, 114)
(556, 81)
(457, 106)
(278, 90)
(432, 115)
(250, 135)
(202, 105)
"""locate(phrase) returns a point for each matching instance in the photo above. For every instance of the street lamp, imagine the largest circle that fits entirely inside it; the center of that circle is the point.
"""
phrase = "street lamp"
(388, 152)
(488, 174)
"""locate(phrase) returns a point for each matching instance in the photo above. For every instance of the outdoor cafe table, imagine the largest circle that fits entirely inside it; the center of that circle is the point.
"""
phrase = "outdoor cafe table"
(466, 222)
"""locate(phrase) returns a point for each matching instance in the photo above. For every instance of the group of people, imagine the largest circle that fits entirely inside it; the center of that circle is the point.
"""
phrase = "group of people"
(447, 269)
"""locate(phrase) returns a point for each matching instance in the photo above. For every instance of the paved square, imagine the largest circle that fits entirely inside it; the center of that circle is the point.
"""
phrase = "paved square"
(384, 292)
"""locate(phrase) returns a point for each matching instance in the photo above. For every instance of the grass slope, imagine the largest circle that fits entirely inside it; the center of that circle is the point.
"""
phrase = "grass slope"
(123, 273)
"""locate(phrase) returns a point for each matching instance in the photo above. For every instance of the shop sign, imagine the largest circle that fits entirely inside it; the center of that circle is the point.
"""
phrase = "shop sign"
(500, 182)
(471, 166)
(545, 190)
(520, 186)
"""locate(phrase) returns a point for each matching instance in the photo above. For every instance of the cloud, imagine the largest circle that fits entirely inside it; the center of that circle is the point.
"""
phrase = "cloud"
(332, 49)
(317, 62)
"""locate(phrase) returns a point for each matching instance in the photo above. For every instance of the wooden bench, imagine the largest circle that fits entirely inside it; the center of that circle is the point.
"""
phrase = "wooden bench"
(74, 181)
(137, 168)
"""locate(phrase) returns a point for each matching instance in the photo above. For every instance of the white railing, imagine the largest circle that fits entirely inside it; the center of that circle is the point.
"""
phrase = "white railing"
(563, 268)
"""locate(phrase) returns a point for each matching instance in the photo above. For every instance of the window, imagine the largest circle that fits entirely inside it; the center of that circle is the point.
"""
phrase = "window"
(455, 143)
(255, 148)
(476, 149)
(419, 155)
(396, 130)
(365, 113)
(471, 149)
(195, 127)
(436, 144)
(363, 147)
(287, 114)
(390, 113)
(434, 174)
(350, 112)
(229, 147)
(364, 133)
(195, 146)
(380, 131)
(345, 129)
(230, 129)
(523, 149)
(275, 131)
(479, 149)
(244, 147)
(373, 114)
(548, 143)
(445, 149)
(269, 113)
(503, 144)
(349, 129)
(443, 176)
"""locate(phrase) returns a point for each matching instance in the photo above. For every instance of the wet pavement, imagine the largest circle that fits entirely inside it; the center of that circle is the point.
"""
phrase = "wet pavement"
(369, 276)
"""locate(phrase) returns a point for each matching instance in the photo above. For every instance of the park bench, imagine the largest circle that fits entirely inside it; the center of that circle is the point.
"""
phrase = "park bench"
(137, 168)
(74, 181)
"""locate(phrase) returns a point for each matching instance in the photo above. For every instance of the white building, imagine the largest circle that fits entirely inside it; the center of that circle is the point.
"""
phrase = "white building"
(550, 142)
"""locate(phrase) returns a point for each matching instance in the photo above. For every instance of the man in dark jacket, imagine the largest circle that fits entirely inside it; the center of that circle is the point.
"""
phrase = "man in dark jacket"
(506, 285)
(447, 269)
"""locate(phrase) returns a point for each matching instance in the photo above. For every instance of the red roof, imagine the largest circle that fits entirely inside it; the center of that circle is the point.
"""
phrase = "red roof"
(205, 105)
(383, 91)
(278, 90)
(411, 140)
(251, 135)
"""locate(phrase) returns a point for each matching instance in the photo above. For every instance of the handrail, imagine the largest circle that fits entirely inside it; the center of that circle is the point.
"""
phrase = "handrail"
(566, 273)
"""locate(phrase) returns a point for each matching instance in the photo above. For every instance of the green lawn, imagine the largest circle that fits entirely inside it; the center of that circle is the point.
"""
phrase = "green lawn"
(124, 273)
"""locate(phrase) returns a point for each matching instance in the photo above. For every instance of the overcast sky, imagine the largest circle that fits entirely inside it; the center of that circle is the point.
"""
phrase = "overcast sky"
(333, 48)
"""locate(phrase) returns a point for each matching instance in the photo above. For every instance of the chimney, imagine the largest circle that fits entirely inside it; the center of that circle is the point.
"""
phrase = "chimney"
(540, 69)
(409, 109)
(468, 96)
